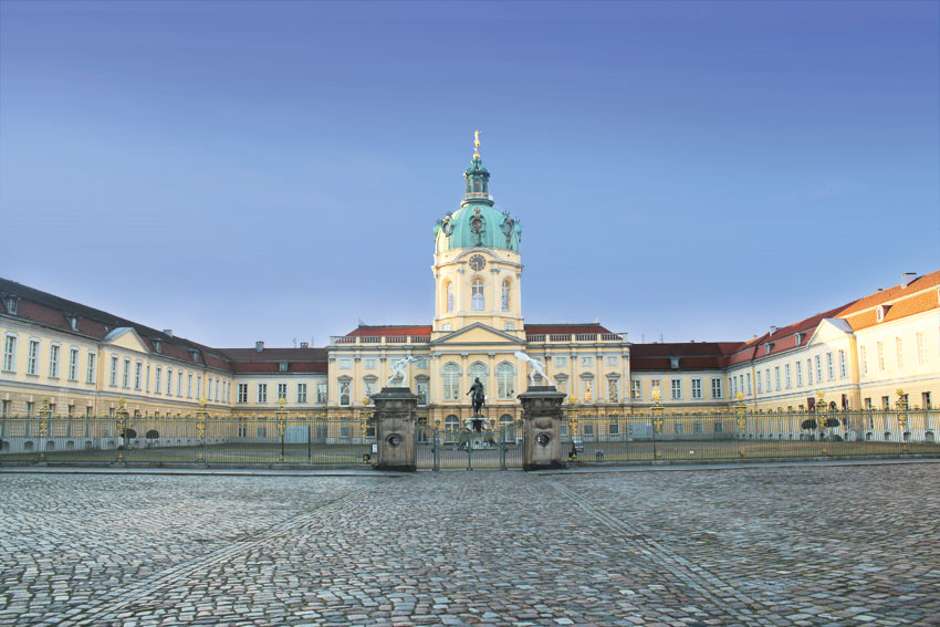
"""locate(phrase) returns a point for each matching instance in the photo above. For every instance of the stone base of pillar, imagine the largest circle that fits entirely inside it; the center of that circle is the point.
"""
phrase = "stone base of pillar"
(395, 418)
(542, 417)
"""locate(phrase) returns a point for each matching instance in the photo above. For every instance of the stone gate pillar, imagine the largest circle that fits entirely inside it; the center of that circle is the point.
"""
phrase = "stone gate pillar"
(541, 424)
(395, 417)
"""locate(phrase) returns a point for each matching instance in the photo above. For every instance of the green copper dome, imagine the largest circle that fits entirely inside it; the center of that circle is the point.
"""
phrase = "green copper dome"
(477, 223)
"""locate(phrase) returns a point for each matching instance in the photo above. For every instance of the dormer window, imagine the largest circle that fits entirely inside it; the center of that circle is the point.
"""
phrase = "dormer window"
(769, 346)
(11, 303)
(73, 322)
(195, 354)
(674, 363)
(282, 366)
(880, 313)
(156, 346)
(799, 339)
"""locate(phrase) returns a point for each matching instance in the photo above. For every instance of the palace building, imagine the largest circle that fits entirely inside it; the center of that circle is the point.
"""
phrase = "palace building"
(81, 361)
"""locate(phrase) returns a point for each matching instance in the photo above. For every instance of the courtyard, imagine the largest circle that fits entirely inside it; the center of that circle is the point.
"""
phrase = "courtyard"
(800, 544)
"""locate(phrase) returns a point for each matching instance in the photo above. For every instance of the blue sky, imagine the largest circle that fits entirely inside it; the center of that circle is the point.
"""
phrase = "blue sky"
(242, 171)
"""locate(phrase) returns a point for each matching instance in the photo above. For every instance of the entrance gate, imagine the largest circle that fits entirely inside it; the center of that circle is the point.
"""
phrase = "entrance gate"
(442, 449)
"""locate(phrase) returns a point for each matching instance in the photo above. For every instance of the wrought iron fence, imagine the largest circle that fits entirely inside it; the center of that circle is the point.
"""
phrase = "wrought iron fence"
(187, 440)
(743, 435)
(319, 441)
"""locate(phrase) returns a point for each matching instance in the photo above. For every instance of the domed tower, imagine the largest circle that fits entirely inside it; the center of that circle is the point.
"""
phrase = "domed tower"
(477, 267)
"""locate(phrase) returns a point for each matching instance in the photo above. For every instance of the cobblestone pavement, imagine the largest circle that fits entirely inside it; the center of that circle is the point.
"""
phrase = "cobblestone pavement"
(767, 546)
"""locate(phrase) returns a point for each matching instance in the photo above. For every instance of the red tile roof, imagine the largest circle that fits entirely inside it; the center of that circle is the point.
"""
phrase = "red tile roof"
(391, 329)
(692, 355)
(920, 295)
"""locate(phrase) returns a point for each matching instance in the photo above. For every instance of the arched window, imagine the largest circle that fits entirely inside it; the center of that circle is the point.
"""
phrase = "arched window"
(505, 381)
(613, 388)
(477, 300)
(449, 290)
(451, 377)
(504, 296)
(451, 427)
(478, 369)
(345, 390)
(507, 428)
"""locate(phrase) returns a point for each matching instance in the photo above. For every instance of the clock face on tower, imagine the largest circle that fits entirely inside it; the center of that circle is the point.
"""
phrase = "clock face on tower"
(477, 262)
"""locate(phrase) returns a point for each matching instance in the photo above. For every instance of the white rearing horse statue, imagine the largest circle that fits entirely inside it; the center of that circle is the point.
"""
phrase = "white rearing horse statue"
(398, 369)
(537, 367)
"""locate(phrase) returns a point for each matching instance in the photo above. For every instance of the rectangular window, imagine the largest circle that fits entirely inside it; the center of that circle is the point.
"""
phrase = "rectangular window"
(716, 387)
(54, 361)
(281, 391)
(767, 380)
(899, 349)
(158, 387)
(696, 388)
(809, 372)
(561, 361)
(760, 385)
(199, 386)
(90, 374)
(829, 371)
(422, 392)
(189, 385)
(733, 385)
(679, 427)
(842, 368)
(345, 392)
(9, 353)
(32, 357)
(885, 402)
(114, 368)
(301, 392)
(819, 376)
(748, 383)
(863, 357)
(262, 392)
(786, 376)
(147, 384)
(637, 390)
(138, 371)
(169, 382)
(322, 390)
(210, 388)
(921, 349)
(676, 389)
(611, 360)
(613, 428)
(777, 378)
(587, 361)
(369, 363)
(179, 383)
(345, 363)
(126, 379)
(799, 374)
(880, 349)
(73, 364)
(242, 392)
(655, 384)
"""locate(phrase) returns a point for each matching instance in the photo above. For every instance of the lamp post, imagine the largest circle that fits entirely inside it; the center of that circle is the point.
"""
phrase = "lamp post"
(281, 415)
(657, 421)
(122, 424)
(202, 418)
(44, 416)
(901, 405)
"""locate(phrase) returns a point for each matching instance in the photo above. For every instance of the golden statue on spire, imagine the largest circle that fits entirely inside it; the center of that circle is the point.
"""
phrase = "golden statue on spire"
(476, 144)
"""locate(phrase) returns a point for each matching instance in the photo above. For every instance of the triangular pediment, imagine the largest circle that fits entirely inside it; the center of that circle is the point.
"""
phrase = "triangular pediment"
(830, 329)
(477, 334)
(127, 337)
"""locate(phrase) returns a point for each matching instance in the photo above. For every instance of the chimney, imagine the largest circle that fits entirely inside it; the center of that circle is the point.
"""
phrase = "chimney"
(168, 332)
(907, 278)
(773, 329)
(259, 346)
(305, 345)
